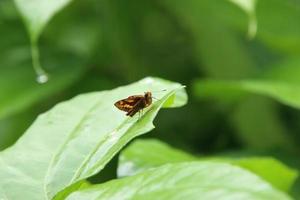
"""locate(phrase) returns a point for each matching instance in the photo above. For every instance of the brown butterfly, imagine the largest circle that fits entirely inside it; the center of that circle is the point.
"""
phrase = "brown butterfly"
(135, 103)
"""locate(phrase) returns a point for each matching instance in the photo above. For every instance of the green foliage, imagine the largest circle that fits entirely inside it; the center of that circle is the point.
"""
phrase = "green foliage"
(20, 96)
(43, 163)
(249, 8)
(185, 180)
(238, 58)
(37, 14)
(132, 160)
(280, 83)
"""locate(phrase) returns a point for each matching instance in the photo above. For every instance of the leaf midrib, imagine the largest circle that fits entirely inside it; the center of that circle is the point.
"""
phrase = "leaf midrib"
(78, 172)
(60, 149)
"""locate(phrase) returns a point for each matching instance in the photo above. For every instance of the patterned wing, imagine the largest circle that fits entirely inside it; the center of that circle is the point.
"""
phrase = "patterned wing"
(128, 103)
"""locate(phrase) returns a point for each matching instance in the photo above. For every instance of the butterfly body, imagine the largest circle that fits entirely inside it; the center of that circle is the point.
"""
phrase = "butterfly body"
(133, 104)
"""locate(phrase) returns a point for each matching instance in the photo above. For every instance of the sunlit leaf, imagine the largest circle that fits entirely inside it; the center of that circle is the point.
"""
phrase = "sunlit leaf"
(146, 154)
(76, 139)
(191, 180)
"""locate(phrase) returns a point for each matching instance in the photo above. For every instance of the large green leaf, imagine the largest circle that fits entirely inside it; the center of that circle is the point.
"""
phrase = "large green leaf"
(37, 13)
(146, 154)
(76, 139)
(192, 180)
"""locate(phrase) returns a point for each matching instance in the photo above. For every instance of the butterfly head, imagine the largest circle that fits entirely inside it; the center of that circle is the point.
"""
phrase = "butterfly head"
(148, 98)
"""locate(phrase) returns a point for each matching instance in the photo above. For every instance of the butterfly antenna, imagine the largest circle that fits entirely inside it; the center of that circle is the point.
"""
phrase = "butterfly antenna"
(159, 91)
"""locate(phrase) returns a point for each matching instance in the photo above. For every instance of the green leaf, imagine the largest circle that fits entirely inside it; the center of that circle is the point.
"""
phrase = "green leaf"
(76, 139)
(280, 83)
(36, 14)
(192, 180)
(286, 93)
(147, 154)
(270, 169)
(77, 186)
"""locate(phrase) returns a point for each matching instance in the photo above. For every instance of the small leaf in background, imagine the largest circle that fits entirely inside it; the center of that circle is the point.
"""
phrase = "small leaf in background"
(76, 139)
(191, 180)
(284, 92)
(133, 160)
(36, 14)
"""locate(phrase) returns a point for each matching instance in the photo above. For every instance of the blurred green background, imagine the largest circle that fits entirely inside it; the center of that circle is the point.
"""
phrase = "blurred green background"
(239, 59)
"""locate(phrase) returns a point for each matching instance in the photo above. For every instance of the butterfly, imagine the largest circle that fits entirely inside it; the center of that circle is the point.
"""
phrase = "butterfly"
(135, 103)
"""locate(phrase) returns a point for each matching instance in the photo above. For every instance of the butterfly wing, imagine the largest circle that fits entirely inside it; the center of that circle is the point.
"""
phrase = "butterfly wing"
(129, 103)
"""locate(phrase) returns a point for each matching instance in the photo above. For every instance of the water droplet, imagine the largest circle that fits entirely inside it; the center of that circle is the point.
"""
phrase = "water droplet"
(42, 78)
